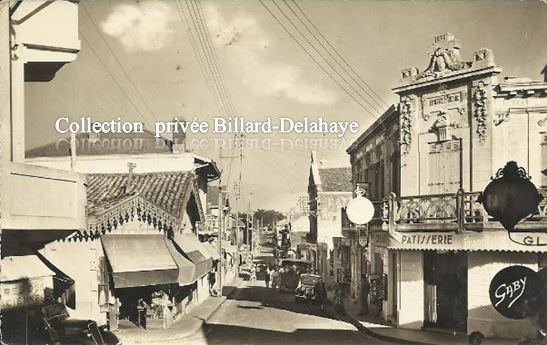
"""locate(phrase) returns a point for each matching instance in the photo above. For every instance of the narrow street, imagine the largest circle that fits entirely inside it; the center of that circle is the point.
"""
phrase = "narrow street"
(254, 314)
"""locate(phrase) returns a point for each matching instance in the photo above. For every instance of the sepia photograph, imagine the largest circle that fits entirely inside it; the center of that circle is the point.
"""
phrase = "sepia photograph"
(273, 172)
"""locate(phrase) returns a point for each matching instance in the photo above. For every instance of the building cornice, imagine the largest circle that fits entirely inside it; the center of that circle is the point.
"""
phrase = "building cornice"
(415, 85)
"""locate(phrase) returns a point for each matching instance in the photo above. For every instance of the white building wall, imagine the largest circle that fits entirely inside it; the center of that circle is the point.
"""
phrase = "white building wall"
(411, 290)
(80, 261)
(482, 317)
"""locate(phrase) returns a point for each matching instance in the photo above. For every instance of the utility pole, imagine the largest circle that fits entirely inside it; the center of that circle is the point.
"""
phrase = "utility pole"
(239, 145)
(237, 191)
(249, 225)
(238, 240)
(220, 233)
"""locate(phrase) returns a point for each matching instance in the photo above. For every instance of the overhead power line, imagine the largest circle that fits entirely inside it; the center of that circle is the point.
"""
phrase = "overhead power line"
(199, 56)
(139, 94)
(217, 64)
(82, 35)
(377, 99)
(355, 95)
(205, 53)
(322, 56)
(210, 59)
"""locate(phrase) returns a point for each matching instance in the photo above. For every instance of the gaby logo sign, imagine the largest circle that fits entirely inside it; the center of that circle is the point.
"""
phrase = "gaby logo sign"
(516, 292)
(512, 292)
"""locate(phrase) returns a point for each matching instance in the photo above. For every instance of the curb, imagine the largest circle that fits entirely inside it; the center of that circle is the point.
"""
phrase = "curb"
(199, 325)
(206, 318)
(366, 331)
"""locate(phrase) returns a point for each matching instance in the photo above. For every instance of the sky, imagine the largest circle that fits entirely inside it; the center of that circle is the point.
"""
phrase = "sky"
(266, 73)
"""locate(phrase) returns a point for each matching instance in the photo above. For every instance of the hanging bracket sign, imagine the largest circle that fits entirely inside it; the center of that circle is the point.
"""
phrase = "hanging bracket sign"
(516, 292)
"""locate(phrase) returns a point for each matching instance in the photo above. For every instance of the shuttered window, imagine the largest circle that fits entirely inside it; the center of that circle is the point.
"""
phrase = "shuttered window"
(444, 162)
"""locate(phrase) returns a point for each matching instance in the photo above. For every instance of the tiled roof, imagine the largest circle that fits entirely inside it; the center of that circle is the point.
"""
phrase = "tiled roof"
(166, 190)
(335, 179)
(105, 144)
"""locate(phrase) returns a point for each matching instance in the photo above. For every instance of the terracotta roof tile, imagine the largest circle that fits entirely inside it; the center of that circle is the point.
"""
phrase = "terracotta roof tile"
(335, 179)
(166, 190)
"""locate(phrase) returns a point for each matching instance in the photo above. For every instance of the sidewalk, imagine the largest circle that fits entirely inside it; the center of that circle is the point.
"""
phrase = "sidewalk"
(378, 328)
(185, 327)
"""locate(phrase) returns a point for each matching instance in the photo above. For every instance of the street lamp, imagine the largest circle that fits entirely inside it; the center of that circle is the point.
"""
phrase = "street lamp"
(360, 211)
(510, 196)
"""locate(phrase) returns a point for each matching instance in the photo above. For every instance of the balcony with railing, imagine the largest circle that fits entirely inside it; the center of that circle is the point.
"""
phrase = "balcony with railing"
(455, 212)
(451, 212)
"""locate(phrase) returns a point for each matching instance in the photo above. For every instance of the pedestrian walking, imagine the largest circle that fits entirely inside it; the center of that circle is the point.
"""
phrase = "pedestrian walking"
(253, 272)
(142, 308)
(212, 282)
(273, 277)
(321, 293)
(267, 277)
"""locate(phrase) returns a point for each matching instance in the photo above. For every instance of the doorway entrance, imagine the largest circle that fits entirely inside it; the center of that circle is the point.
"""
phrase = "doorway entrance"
(445, 289)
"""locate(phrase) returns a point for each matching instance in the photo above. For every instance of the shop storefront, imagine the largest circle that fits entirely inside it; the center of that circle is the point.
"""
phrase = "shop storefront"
(343, 262)
(447, 275)
(166, 274)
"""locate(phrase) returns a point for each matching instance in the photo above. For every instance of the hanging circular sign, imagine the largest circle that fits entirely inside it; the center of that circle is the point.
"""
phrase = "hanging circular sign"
(516, 292)
(360, 210)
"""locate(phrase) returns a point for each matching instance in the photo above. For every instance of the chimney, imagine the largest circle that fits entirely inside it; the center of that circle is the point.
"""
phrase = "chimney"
(72, 151)
(130, 166)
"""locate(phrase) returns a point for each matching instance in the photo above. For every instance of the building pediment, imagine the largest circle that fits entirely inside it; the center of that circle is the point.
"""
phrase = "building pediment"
(446, 63)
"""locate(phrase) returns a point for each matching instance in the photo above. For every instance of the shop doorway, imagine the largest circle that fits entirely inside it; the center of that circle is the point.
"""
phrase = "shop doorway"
(445, 289)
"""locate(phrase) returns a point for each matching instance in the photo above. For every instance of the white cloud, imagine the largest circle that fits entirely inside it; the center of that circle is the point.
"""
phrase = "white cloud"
(245, 42)
(141, 27)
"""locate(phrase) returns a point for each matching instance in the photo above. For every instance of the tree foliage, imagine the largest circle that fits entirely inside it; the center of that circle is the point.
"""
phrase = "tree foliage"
(268, 217)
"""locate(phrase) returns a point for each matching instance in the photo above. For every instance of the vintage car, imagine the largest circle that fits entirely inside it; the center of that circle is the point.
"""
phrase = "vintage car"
(64, 330)
(305, 291)
(290, 272)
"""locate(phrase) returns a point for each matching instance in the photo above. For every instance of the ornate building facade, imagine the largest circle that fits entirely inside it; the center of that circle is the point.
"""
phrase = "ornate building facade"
(459, 123)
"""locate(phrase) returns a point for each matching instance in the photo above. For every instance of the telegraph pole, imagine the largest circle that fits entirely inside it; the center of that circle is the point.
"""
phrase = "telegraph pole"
(249, 239)
(220, 232)
(237, 194)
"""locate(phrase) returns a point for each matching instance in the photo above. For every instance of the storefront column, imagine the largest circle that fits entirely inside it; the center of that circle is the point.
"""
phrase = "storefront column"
(411, 283)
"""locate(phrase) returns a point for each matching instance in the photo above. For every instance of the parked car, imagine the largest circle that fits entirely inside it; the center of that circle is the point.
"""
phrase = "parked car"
(292, 269)
(305, 291)
(62, 330)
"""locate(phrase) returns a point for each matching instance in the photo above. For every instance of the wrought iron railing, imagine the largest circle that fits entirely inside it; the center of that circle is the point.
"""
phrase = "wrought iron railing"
(451, 211)
(461, 209)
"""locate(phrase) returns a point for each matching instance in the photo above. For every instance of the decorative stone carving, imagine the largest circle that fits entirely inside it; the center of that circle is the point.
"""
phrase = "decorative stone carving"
(480, 112)
(444, 60)
(443, 126)
(500, 118)
(405, 108)
(542, 122)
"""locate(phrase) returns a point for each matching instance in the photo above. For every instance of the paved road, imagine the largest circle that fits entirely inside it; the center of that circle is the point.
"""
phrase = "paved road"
(254, 314)
(257, 315)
